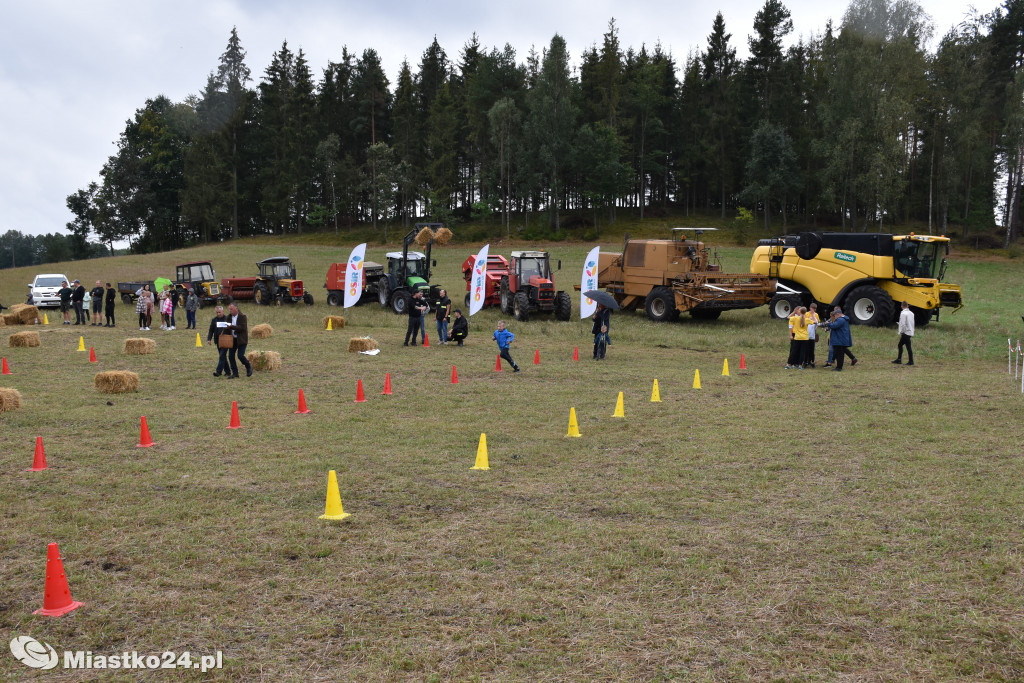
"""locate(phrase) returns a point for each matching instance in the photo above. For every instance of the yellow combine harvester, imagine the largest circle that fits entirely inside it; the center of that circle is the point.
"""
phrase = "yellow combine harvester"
(864, 273)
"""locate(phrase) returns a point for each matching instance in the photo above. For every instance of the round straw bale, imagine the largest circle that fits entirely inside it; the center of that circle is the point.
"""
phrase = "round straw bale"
(26, 315)
(423, 237)
(442, 237)
(24, 339)
(361, 344)
(261, 331)
(264, 361)
(139, 346)
(116, 381)
(337, 322)
(10, 399)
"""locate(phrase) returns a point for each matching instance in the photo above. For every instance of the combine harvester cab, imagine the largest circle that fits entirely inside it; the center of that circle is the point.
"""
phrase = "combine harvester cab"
(497, 268)
(867, 274)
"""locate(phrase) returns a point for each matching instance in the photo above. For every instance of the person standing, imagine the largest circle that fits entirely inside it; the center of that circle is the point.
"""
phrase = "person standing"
(906, 329)
(813, 320)
(97, 303)
(415, 309)
(175, 298)
(442, 311)
(840, 339)
(460, 327)
(239, 327)
(602, 321)
(504, 338)
(110, 301)
(65, 293)
(797, 339)
(219, 326)
(191, 304)
(77, 297)
(144, 306)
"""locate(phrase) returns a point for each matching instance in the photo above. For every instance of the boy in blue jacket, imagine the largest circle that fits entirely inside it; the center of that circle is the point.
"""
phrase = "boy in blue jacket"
(504, 339)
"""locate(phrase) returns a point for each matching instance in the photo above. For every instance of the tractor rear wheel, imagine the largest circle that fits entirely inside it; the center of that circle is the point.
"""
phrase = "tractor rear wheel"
(334, 298)
(126, 298)
(563, 306)
(660, 305)
(922, 316)
(307, 299)
(705, 313)
(521, 306)
(400, 302)
(467, 301)
(260, 294)
(782, 305)
(505, 296)
(383, 292)
(869, 305)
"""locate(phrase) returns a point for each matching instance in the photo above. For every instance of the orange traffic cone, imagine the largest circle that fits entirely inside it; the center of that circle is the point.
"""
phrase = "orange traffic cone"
(743, 362)
(235, 422)
(426, 340)
(536, 357)
(56, 593)
(302, 404)
(92, 355)
(455, 376)
(497, 364)
(575, 353)
(39, 461)
(360, 398)
(387, 385)
(6, 369)
(145, 441)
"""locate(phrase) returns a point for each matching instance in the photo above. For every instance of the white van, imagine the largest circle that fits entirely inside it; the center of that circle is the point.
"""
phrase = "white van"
(43, 289)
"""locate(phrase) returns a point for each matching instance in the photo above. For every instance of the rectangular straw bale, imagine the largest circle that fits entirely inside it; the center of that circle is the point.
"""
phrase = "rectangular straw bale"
(264, 361)
(261, 331)
(361, 344)
(24, 339)
(26, 315)
(442, 237)
(116, 382)
(337, 322)
(10, 399)
(139, 346)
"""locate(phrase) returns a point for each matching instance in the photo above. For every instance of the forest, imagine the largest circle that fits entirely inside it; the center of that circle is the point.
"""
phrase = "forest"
(858, 127)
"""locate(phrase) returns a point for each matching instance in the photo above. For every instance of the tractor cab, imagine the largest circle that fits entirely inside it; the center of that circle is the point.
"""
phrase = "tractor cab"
(202, 278)
(531, 268)
(277, 268)
(411, 271)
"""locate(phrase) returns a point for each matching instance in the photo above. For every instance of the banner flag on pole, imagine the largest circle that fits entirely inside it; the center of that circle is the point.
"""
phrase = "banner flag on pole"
(589, 282)
(354, 276)
(478, 286)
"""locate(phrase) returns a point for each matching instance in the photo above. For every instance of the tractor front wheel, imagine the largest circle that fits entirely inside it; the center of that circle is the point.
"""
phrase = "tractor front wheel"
(660, 305)
(307, 299)
(260, 294)
(563, 306)
(126, 299)
(521, 306)
(334, 298)
(400, 303)
(869, 305)
(383, 292)
(782, 305)
(505, 296)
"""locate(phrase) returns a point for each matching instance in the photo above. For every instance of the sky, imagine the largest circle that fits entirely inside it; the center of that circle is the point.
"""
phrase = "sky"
(73, 73)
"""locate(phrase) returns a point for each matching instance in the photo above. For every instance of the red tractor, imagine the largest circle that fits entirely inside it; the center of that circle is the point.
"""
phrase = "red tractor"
(497, 269)
(529, 288)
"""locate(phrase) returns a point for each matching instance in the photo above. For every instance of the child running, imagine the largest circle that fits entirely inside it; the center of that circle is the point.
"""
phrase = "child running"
(504, 339)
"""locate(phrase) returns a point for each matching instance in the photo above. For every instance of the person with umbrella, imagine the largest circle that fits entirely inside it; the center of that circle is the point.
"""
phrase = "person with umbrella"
(602, 320)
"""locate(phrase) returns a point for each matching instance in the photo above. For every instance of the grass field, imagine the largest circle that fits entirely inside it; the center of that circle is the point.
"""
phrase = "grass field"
(772, 525)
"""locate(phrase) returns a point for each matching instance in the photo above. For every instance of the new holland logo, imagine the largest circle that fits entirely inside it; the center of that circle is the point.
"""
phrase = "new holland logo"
(843, 256)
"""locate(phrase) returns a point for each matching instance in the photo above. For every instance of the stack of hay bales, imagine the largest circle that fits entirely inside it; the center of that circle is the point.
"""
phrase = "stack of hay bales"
(24, 339)
(139, 346)
(261, 331)
(10, 399)
(22, 314)
(116, 382)
(337, 322)
(361, 344)
(264, 361)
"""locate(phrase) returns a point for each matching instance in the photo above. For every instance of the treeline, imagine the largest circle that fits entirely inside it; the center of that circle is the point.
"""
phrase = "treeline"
(858, 126)
(17, 249)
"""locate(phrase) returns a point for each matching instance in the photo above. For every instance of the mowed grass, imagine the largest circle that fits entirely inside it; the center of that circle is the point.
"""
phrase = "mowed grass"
(772, 525)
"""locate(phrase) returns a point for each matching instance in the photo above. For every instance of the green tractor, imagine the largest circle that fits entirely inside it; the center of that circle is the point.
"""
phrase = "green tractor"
(408, 271)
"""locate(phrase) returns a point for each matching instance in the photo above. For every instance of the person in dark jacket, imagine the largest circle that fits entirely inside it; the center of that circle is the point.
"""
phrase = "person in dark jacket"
(110, 301)
(97, 303)
(442, 311)
(460, 328)
(218, 326)
(65, 293)
(191, 304)
(841, 340)
(602, 321)
(239, 327)
(77, 297)
(416, 307)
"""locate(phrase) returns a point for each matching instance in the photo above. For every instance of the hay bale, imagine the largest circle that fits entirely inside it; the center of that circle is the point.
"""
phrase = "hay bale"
(337, 322)
(264, 361)
(10, 399)
(3, 323)
(261, 331)
(11, 319)
(423, 237)
(26, 315)
(443, 237)
(116, 382)
(361, 344)
(139, 346)
(24, 339)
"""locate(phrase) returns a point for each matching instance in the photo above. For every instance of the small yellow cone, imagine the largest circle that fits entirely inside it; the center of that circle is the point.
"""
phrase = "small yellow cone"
(574, 428)
(199, 342)
(81, 343)
(725, 368)
(481, 455)
(618, 407)
(333, 509)
(655, 395)
(696, 379)
(46, 321)
(330, 327)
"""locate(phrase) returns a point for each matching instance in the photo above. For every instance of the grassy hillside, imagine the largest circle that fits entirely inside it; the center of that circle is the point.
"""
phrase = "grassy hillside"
(770, 525)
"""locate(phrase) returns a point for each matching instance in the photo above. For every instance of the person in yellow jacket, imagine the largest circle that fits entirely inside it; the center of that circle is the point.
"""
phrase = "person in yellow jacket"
(797, 339)
(812, 334)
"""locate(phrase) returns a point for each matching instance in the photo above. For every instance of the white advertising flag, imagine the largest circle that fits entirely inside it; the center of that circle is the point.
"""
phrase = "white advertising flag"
(478, 285)
(588, 283)
(354, 276)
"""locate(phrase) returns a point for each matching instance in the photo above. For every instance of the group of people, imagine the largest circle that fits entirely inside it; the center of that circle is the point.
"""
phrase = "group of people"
(167, 301)
(75, 298)
(806, 327)
(417, 311)
(231, 335)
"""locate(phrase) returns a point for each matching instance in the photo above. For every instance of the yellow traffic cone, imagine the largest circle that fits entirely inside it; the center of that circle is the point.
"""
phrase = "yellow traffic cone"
(725, 368)
(330, 327)
(696, 379)
(199, 342)
(333, 509)
(81, 343)
(574, 428)
(481, 455)
(655, 395)
(618, 407)
(46, 321)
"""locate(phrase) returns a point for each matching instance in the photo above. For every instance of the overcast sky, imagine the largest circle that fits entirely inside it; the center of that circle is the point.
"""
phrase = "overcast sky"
(72, 73)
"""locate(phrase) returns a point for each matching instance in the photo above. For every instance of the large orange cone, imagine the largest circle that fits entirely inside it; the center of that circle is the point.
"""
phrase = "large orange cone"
(39, 461)
(575, 353)
(497, 364)
(235, 422)
(426, 340)
(536, 357)
(302, 404)
(360, 398)
(56, 593)
(743, 362)
(455, 376)
(333, 509)
(92, 355)
(145, 441)
(6, 369)
(387, 385)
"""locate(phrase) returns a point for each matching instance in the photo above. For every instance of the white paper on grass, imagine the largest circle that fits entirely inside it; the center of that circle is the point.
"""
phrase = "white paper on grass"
(588, 282)
(371, 352)
(354, 276)
(478, 285)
